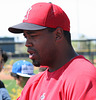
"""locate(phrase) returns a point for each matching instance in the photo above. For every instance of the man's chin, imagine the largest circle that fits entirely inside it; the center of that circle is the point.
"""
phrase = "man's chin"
(36, 63)
(36, 66)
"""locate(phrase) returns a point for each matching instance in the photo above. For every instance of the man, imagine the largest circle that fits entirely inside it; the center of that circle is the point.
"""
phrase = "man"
(22, 70)
(70, 76)
(3, 91)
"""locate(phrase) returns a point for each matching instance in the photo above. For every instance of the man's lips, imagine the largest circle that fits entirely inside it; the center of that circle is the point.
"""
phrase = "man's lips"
(31, 56)
(32, 53)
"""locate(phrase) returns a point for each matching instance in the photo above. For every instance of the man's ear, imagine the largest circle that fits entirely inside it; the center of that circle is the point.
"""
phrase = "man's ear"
(59, 33)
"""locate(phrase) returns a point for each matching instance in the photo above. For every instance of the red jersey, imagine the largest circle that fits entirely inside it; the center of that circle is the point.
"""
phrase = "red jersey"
(76, 80)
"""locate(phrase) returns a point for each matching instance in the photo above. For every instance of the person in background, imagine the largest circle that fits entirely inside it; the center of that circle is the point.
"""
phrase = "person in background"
(3, 60)
(22, 70)
(69, 76)
(0, 54)
(4, 95)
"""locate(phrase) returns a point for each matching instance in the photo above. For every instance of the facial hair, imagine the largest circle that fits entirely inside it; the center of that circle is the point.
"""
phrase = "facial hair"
(36, 63)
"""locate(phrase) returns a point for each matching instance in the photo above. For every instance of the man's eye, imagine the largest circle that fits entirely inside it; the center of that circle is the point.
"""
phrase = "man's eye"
(33, 36)
(24, 36)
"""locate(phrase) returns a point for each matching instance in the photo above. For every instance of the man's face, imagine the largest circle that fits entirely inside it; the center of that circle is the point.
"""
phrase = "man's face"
(41, 47)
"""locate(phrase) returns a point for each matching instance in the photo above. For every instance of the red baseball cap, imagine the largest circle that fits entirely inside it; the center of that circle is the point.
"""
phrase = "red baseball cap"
(42, 15)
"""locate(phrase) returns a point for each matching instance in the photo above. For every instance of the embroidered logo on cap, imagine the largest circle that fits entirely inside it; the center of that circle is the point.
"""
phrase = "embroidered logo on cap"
(26, 69)
(27, 14)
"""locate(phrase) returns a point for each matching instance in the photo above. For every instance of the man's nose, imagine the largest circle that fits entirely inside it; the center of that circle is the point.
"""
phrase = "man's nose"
(27, 44)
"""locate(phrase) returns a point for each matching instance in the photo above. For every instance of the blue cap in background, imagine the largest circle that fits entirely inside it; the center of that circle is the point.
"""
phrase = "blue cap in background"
(23, 68)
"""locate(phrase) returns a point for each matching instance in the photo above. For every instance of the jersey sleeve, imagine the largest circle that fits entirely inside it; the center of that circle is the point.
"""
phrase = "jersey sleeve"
(29, 87)
(84, 88)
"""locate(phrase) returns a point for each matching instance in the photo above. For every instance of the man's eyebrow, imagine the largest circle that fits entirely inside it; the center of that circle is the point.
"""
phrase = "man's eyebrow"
(30, 32)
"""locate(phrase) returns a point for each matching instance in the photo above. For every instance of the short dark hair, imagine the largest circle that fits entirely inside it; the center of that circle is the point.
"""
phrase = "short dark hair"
(67, 34)
(5, 56)
(14, 75)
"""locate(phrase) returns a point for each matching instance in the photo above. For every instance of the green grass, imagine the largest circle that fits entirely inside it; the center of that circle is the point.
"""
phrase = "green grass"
(13, 89)
(10, 84)
(13, 60)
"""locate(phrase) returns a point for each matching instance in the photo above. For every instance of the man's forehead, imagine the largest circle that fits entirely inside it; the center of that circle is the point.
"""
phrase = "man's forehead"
(33, 31)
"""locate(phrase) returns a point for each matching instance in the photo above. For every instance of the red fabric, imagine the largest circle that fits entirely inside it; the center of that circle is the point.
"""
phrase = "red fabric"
(48, 15)
(43, 66)
(76, 80)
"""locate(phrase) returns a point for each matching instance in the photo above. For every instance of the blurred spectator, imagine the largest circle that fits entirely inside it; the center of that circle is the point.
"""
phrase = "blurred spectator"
(21, 71)
(3, 91)
(4, 58)
(0, 54)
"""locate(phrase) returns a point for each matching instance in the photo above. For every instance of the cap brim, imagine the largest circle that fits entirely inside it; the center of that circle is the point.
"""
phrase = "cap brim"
(19, 28)
(25, 75)
(13, 74)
